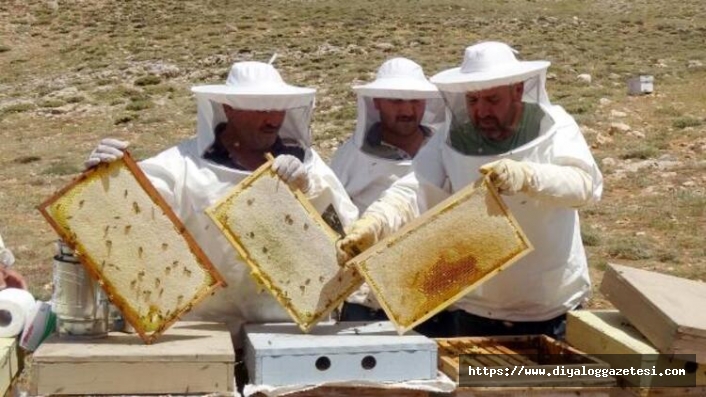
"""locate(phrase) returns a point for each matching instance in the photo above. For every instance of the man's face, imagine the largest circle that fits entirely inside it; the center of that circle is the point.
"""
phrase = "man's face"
(400, 116)
(493, 110)
(255, 129)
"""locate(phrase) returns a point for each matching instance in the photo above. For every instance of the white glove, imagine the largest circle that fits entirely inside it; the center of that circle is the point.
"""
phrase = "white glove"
(508, 176)
(108, 150)
(292, 171)
(6, 257)
(360, 235)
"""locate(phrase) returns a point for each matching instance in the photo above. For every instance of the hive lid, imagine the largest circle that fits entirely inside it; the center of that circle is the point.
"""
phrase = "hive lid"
(345, 337)
(132, 243)
(289, 248)
(441, 256)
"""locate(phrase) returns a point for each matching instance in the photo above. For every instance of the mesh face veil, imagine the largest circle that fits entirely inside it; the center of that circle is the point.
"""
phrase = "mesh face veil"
(485, 66)
(255, 86)
(398, 78)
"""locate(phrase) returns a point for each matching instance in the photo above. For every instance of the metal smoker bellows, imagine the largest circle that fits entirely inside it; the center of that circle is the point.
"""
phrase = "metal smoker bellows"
(81, 307)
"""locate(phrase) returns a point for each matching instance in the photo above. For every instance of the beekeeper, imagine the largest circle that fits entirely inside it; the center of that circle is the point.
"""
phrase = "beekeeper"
(253, 113)
(397, 114)
(9, 278)
(503, 126)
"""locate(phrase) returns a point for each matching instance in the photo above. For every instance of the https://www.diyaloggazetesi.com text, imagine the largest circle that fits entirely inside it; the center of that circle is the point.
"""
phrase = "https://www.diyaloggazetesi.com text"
(573, 371)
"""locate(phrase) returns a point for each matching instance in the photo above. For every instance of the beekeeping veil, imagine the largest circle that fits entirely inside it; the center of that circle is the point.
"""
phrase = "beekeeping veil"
(254, 86)
(487, 65)
(397, 78)
(364, 175)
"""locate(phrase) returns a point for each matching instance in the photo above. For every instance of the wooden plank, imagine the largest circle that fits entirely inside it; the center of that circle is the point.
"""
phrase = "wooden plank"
(190, 357)
(661, 307)
(533, 391)
(608, 334)
(132, 378)
(658, 391)
(356, 392)
(9, 363)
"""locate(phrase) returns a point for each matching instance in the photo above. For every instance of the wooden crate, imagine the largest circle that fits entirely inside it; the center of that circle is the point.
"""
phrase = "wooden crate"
(609, 335)
(532, 392)
(658, 391)
(668, 310)
(447, 252)
(191, 357)
(10, 362)
(526, 352)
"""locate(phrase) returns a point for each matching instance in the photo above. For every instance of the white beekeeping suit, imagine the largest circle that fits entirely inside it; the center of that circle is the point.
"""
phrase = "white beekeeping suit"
(558, 173)
(365, 176)
(190, 183)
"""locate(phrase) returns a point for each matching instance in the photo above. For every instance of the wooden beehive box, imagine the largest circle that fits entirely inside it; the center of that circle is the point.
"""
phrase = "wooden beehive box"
(133, 244)
(518, 353)
(289, 248)
(192, 357)
(10, 363)
(668, 310)
(441, 256)
(607, 335)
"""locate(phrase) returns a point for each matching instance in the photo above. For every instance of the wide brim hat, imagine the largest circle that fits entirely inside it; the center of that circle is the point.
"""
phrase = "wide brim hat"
(486, 65)
(399, 78)
(256, 86)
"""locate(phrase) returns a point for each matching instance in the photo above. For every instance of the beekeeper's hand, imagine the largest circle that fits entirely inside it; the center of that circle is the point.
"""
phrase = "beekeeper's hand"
(292, 171)
(508, 176)
(108, 150)
(360, 235)
(11, 279)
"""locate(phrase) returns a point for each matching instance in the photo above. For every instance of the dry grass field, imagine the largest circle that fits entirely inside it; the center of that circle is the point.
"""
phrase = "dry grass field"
(75, 71)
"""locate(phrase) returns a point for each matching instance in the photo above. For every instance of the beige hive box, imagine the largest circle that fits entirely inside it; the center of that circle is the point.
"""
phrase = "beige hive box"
(129, 239)
(441, 256)
(289, 248)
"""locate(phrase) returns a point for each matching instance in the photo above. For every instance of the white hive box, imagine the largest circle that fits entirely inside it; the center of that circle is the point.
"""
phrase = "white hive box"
(640, 85)
(279, 354)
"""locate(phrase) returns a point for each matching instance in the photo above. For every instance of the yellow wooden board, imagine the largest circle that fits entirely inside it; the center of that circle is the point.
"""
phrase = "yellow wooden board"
(443, 255)
(287, 245)
(129, 239)
(609, 335)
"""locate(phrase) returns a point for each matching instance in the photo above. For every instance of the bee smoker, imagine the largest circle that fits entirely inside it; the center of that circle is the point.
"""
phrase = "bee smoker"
(81, 306)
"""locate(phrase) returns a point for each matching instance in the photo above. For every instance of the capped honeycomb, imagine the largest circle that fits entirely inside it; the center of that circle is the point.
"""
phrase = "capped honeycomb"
(132, 243)
(289, 248)
(438, 258)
